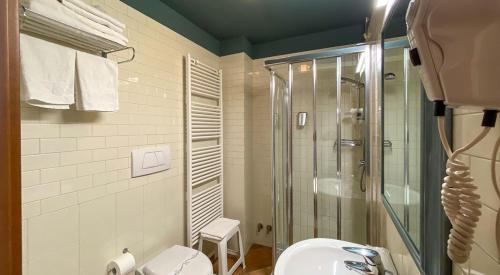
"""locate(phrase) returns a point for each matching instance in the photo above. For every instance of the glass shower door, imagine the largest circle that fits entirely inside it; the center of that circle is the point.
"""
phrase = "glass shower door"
(302, 150)
(326, 117)
(341, 129)
(280, 101)
(352, 150)
(318, 148)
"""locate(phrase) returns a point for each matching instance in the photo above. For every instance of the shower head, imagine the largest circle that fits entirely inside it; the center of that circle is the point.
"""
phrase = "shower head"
(357, 83)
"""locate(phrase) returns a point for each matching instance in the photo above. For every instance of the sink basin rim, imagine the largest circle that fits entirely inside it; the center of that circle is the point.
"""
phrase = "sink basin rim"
(321, 243)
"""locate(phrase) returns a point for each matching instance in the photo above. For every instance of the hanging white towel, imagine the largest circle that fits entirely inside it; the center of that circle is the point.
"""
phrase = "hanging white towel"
(92, 16)
(47, 73)
(96, 83)
(55, 10)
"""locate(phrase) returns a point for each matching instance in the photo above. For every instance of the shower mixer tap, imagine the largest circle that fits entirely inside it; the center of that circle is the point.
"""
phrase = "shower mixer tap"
(362, 185)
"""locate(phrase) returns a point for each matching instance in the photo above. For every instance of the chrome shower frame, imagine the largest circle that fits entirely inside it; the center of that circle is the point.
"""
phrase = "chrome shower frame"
(314, 57)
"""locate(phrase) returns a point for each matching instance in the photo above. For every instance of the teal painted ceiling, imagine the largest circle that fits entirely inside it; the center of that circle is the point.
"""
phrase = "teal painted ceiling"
(264, 28)
(263, 21)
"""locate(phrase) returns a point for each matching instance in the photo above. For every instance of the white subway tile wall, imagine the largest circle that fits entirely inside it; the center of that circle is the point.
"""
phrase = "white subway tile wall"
(485, 257)
(80, 205)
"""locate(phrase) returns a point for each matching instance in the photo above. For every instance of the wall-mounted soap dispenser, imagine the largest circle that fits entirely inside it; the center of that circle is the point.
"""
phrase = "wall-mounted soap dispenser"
(301, 119)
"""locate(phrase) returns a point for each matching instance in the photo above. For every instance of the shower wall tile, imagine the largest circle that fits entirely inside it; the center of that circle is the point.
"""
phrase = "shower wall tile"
(80, 205)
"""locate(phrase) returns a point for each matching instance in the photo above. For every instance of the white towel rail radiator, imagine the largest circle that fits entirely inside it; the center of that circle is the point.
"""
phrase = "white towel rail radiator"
(204, 150)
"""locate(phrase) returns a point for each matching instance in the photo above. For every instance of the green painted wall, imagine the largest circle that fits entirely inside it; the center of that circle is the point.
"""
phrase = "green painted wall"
(175, 21)
(325, 39)
(236, 45)
(313, 41)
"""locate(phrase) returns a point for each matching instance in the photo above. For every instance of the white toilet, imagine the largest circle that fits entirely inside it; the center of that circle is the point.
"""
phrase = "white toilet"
(178, 260)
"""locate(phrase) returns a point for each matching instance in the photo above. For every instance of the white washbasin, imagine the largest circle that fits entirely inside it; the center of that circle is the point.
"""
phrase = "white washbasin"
(317, 257)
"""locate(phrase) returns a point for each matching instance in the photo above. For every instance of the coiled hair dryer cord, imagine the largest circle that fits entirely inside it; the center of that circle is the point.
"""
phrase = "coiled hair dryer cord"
(495, 184)
(459, 198)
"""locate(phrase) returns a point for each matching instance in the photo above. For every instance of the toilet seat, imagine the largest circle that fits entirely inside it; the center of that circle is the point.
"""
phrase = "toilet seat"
(187, 260)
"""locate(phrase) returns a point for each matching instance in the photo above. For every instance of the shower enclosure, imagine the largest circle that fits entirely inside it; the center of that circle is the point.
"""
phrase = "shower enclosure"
(320, 146)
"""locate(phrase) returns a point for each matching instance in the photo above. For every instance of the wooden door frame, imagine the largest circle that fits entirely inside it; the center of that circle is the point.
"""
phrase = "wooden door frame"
(10, 140)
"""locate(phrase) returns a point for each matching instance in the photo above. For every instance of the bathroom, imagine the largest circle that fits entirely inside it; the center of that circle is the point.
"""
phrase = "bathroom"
(294, 137)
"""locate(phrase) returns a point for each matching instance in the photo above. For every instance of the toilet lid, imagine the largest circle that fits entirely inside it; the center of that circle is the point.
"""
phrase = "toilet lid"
(179, 260)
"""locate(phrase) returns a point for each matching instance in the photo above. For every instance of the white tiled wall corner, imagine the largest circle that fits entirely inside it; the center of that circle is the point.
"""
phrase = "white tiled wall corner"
(80, 205)
(238, 176)
(261, 203)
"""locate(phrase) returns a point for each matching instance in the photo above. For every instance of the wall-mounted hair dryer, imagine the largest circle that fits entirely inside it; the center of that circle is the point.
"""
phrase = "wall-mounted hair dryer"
(455, 48)
(456, 44)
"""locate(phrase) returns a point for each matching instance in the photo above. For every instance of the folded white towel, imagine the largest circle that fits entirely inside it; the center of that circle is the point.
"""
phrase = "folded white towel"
(97, 13)
(219, 228)
(96, 83)
(47, 73)
(92, 15)
(56, 11)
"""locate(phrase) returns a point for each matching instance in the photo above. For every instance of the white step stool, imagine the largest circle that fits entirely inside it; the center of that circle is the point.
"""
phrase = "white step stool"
(220, 231)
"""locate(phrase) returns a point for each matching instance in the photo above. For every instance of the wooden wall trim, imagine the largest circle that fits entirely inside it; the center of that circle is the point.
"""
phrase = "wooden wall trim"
(10, 139)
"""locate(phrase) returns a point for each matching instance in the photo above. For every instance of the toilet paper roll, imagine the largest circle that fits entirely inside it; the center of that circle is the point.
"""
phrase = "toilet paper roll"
(122, 265)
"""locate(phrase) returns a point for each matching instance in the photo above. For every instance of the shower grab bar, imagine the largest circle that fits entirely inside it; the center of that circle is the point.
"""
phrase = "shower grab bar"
(357, 143)
(349, 143)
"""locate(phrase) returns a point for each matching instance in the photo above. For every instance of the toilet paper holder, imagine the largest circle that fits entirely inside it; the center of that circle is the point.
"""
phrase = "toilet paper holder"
(113, 270)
